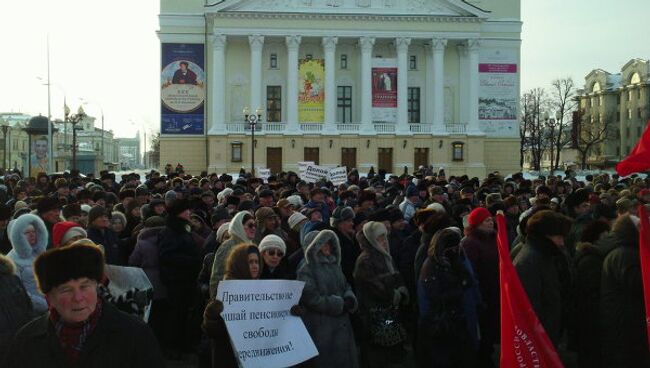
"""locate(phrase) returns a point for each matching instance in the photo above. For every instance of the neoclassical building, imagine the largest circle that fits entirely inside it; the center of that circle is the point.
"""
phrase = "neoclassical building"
(387, 84)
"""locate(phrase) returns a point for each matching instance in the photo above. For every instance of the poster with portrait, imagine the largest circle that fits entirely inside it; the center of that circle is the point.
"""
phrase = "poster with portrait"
(384, 90)
(498, 93)
(38, 157)
(311, 90)
(182, 89)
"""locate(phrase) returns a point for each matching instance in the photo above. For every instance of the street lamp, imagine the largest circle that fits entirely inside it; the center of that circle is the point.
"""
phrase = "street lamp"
(74, 119)
(252, 120)
(5, 128)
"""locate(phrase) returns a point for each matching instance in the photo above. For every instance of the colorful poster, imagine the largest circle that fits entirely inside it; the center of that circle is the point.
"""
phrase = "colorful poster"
(182, 89)
(38, 159)
(384, 90)
(498, 99)
(311, 91)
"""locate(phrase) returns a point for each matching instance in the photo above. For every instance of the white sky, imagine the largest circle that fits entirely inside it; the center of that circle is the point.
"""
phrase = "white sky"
(107, 52)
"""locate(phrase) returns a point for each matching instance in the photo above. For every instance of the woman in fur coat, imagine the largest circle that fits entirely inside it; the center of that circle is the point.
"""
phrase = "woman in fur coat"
(28, 236)
(15, 305)
(328, 300)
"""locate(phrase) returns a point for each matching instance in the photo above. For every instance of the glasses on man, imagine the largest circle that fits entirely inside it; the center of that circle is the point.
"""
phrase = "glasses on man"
(274, 253)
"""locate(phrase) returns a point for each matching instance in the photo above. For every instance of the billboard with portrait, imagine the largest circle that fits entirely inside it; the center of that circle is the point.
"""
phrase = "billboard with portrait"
(182, 91)
(384, 90)
(38, 158)
(311, 91)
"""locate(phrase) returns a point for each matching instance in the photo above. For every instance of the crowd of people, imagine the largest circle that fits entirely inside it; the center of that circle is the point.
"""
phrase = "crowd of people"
(396, 269)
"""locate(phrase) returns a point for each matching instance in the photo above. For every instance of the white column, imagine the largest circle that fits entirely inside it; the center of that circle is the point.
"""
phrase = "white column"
(256, 43)
(366, 44)
(463, 85)
(428, 97)
(218, 84)
(329, 47)
(438, 46)
(473, 46)
(293, 45)
(402, 45)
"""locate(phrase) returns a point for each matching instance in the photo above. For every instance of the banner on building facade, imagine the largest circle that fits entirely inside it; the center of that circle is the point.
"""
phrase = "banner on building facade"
(311, 91)
(498, 95)
(262, 330)
(182, 91)
(384, 90)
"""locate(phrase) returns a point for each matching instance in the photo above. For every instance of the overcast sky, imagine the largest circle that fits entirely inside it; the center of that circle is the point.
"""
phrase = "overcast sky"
(107, 52)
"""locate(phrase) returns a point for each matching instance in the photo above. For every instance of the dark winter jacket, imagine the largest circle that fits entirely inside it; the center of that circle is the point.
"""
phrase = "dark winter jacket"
(146, 256)
(109, 240)
(15, 305)
(282, 272)
(537, 267)
(404, 258)
(622, 314)
(119, 340)
(323, 296)
(180, 259)
(349, 253)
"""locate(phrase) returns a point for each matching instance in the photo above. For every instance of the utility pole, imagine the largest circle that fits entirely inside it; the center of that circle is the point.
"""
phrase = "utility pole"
(50, 141)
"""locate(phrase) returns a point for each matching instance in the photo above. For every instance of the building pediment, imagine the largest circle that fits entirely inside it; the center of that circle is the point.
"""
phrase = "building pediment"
(445, 8)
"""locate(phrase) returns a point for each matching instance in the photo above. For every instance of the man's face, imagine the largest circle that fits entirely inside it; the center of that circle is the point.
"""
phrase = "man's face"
(266, 201)
(101, 222)
(583, 208)
(52, 216)
(159, 209)
(286, 212)
(63, 191)
(183, 67)
(40, 148)
(127, 200)
(271, 223)
(318, 197)
(75, 300)
(347, 226)
(208, 200)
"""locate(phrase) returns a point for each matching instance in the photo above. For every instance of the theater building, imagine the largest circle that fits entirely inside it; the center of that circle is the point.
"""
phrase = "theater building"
(387, 84)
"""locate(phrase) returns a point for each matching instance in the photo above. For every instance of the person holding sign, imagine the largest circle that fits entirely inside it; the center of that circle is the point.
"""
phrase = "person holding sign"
(329, 300)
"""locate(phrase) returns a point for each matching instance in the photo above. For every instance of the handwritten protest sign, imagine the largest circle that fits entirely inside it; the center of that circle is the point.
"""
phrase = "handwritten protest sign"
(338, 175)
(315, 173)
(264, 174)
(302, 167)
(262, 331)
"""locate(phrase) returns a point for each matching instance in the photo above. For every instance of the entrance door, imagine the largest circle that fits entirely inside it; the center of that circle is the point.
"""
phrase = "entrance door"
(349, 158)
(385, 159)
(312, 154)
(421, 158)
(274, 159)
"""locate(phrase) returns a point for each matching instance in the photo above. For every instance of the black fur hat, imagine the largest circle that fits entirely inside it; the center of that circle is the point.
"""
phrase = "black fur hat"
(60, 265)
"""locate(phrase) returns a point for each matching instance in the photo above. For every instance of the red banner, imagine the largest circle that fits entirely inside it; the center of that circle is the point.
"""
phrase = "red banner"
(524, 342)
(384, 87)
(644, 251)
(639, 159)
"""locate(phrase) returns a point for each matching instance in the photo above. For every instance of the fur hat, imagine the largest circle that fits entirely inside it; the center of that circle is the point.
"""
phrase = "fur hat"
(177, 207)
(264, 213)
(48, 204)
(70, 210)
(341, 214)
(477, 216)
(97, 212)
(548, 222)
(295, 219)
(272, 241)
(60, 265)
(373, 230)
(492, 199)
(221, 231)
(119, 216)
(63, 231)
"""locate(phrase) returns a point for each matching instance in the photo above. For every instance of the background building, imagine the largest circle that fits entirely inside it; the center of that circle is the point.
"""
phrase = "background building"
(384, 84)
(129, 153)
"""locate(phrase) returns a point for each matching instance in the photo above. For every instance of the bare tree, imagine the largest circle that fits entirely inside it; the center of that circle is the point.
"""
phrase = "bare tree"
(591, 133)
(564, 103)
(532, 130)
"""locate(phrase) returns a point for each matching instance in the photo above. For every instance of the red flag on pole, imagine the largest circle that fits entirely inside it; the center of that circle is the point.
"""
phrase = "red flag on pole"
(524, 342)
(639, 159)
(644, 251)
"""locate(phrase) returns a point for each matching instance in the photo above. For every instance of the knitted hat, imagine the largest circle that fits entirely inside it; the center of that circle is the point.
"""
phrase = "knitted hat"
(95, 213)
(117, 215)
(71, 210)
(295, 201)
(478, 215)
(264, 213)
(341, 214)
(411, 191)
(220, 214)
(48, 204)
(437, 207)
(19, 205)
(221, 231)
(170, 195)
(625, 204)
(177, 206)
(492, 199)
(63, 231)
(272, 241)
(283, 203)
(60, 265)
(85, 208)
(295, 219)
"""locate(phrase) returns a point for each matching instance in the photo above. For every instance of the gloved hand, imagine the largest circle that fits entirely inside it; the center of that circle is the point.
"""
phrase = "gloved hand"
(297, 310)
(211, 318)
(404, 293)
(397, 298)
(348, 304)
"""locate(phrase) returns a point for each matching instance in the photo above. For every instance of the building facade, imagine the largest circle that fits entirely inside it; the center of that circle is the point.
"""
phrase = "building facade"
(388, 84)
(619, 102)
(129, 154)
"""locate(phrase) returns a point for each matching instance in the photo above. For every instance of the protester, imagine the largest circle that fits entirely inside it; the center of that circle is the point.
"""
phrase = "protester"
(273, 250)
(15, 305)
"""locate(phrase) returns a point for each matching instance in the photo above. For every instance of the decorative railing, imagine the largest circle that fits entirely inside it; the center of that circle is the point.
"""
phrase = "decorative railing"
(456, 128)
(346, 128)
(384, 128)
(274, 127)
(420, 128)
(311, 127)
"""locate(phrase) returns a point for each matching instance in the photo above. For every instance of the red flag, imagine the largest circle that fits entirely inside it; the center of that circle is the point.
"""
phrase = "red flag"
(644, 251)
(524, 342)
(639, 159)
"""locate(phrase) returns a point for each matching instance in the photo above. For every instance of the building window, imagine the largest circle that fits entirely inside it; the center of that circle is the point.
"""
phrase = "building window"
(235, 151)
(630, 95)
(457, 151)
(600, 100)
(309, 56)
(618, 100)
(638, 113)
(273, 104)
(618, 150)
(273, 61)
(344, 61)
(638, 131)
(413, 62)
(629, 114)
(414, 105)
(627, 132)
(618, 116)
(344, 104)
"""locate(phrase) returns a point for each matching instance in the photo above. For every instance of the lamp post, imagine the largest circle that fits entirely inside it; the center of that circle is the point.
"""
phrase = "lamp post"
(252, 120)
(74, 119)
(5, 128)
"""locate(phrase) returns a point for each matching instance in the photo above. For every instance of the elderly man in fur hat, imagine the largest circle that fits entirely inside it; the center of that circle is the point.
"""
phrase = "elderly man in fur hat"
(80, 329)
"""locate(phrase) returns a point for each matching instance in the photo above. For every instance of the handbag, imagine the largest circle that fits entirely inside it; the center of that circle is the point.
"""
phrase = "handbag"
(385, 328)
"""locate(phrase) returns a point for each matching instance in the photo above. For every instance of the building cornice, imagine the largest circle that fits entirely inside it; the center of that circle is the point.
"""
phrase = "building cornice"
(346, 17)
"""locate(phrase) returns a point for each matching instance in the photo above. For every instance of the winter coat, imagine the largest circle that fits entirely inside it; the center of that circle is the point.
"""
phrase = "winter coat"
(404, 258)
(537, 267)
(179, 256)
(574, 236)
(237, 236)
(119, 340)
(146, 256)
(281, 272)
(108, 239)
(323, 296)
(23, 255)
(349, 253)
(481, 250)
(622, 314)
(5, 244)
(15, 305)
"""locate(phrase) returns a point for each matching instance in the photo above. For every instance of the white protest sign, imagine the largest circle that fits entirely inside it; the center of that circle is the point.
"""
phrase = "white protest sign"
(130, 286)
(339, 175)
(264, 174)
(263, 332)
(302, 167)
(315, 173)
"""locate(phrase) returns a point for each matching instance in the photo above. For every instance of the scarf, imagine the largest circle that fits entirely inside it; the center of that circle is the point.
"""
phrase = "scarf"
(73, 337)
